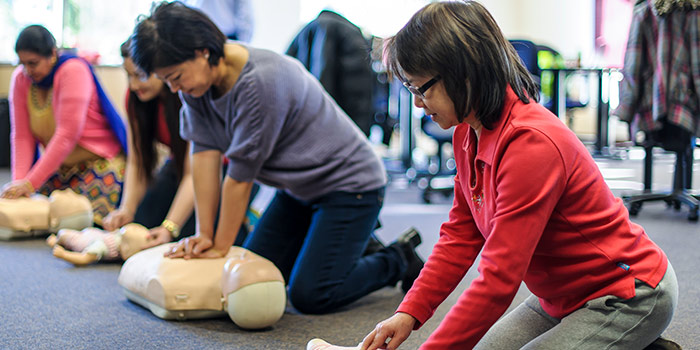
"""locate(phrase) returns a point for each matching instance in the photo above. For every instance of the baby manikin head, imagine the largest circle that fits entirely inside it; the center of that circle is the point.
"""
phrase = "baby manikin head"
(135, 237)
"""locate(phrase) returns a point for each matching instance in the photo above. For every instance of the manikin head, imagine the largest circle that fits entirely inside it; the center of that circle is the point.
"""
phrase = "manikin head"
(134, 238)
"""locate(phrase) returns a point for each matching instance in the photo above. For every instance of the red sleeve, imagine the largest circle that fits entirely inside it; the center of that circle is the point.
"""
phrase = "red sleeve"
(23, 142)
(451, 258)
(529, 179)
(73, 88)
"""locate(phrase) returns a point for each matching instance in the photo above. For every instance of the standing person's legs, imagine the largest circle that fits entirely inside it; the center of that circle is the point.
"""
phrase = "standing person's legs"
(607, 322)
(330, 270)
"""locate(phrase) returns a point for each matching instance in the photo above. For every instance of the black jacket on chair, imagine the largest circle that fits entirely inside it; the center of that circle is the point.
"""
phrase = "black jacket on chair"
(337, 54)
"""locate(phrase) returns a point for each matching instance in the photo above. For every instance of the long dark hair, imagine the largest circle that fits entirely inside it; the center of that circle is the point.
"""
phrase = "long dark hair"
(143, 120)
(172, 34)
(461, 42)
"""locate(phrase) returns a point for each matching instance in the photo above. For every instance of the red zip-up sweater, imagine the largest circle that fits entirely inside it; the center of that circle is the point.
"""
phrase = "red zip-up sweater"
(531, 199)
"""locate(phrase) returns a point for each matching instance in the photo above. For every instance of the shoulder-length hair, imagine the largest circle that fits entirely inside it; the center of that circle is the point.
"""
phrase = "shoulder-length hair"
(170, 36)
(461, 42)
(143, 120)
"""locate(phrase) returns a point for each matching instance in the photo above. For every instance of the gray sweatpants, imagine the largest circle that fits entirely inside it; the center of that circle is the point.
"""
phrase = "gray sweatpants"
(607, 322)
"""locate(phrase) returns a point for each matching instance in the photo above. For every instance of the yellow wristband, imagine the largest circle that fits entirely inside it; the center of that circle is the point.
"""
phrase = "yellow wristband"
(172, 227)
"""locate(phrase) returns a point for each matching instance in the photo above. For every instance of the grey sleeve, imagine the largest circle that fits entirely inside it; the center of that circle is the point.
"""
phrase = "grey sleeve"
(262, 110)
(194, 126)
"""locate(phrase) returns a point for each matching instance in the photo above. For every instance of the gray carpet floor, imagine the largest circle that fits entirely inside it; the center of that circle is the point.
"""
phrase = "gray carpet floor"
(46, 303)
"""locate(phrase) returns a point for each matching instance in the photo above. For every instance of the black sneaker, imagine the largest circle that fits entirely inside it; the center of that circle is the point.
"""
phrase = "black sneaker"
(406, 244)
(663, 344)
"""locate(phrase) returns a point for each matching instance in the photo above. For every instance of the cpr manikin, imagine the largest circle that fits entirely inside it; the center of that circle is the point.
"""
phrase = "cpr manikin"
(319, 344)
(92, 244)
(243, 284)
(39, 215)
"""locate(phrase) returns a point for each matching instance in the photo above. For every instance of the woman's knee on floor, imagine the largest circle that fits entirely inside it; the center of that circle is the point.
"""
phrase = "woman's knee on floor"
(309, 299)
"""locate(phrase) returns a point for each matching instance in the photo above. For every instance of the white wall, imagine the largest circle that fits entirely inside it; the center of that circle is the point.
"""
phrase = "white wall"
(565, 25)
(276, 23)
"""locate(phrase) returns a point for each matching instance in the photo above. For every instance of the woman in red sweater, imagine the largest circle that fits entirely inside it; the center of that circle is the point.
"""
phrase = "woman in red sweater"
(56, 101)
(529, 198)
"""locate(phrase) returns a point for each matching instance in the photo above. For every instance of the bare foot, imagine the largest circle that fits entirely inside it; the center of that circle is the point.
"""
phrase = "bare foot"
(52, 240)
(319, 344)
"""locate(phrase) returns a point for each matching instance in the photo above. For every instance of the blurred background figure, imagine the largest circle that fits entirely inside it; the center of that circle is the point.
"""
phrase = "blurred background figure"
(334, 50)
(233, 17)
(57, 102)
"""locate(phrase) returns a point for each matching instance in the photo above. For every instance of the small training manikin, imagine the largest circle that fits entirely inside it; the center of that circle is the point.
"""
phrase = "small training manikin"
(92, 244)
(243, 284)
(39, 215)
(320, 344)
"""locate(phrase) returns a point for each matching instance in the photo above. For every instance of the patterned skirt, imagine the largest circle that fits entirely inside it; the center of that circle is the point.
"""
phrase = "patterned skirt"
(100, 180)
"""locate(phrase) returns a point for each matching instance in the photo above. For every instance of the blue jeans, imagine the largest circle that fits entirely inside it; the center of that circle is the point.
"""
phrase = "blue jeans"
(318, 247)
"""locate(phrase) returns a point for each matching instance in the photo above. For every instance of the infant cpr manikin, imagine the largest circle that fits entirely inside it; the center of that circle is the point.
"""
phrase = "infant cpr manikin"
(92, 244)
(39, 215)
(243, 284)
(320, 344)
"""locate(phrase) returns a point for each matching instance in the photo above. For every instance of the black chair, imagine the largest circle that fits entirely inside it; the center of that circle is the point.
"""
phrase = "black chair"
(680, 141)
(547, 58)
(4, 133)
(529, 53)
(527, 50)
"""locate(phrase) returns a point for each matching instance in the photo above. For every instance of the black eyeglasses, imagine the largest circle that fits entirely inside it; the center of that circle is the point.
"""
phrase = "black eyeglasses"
(420, 91)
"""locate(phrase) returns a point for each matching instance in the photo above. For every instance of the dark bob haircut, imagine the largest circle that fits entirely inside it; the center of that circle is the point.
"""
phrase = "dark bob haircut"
(36, 39)
(170, 36)
(460, 41)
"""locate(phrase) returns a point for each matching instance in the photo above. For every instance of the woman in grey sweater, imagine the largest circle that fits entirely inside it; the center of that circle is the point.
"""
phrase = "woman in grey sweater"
(274, 124)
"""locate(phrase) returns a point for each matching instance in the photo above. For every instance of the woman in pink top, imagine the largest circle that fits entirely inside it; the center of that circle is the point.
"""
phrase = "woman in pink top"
(529, 198)
(55, 101)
